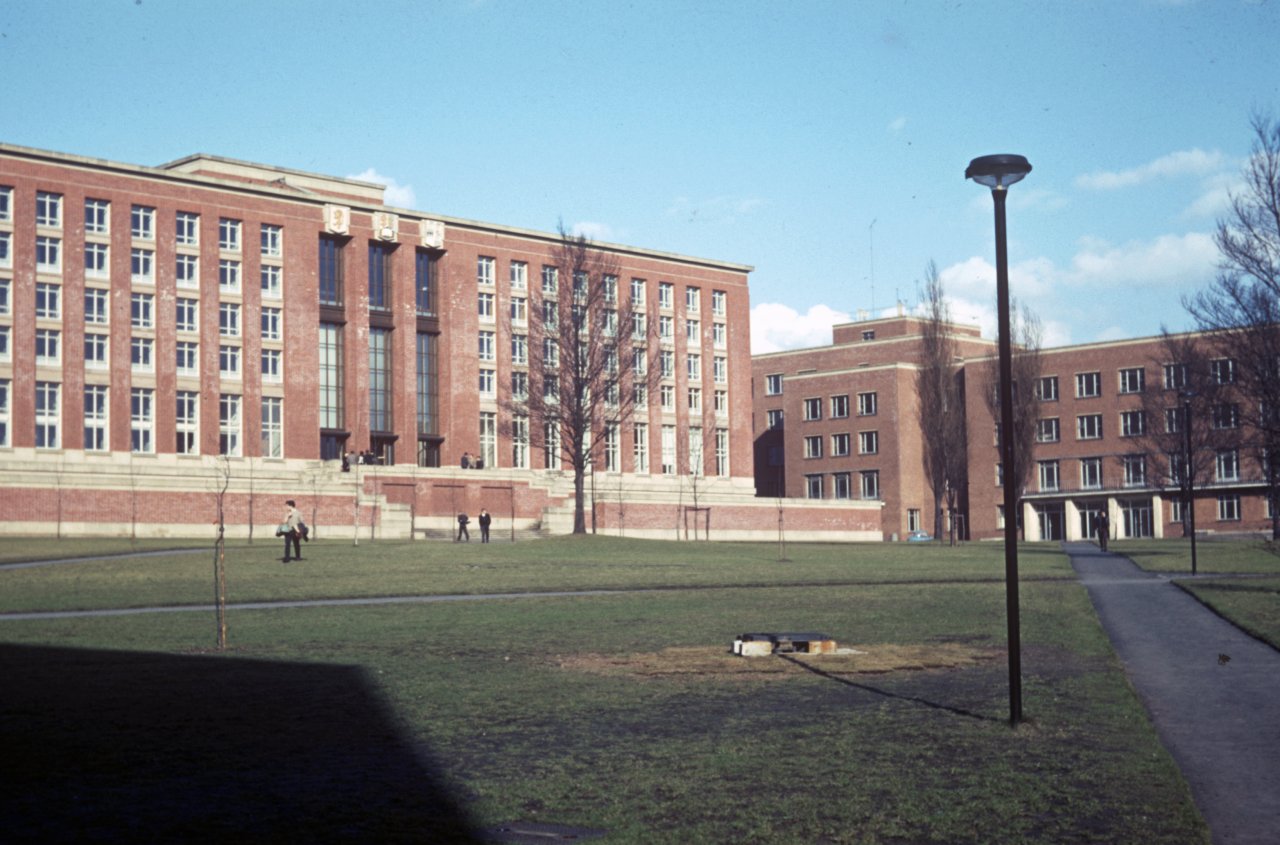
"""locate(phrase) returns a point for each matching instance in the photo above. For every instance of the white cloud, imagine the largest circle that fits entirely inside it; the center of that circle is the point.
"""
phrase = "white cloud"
(592, 231)
(1167, 261)
(775, 327)
(401, 196)
(1194, 162)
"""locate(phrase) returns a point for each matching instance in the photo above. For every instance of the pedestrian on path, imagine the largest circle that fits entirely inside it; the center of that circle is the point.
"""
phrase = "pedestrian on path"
(292, 530)
(463, 533)
(485, 521)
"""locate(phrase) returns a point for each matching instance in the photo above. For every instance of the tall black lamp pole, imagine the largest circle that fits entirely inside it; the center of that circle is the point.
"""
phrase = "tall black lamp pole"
(998, 172)
(1189, 479)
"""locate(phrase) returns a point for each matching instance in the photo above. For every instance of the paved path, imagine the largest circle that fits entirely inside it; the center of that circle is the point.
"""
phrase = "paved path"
(1219, 719)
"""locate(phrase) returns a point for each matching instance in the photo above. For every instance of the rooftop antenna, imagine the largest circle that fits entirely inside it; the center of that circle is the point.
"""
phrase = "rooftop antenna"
(871, 242)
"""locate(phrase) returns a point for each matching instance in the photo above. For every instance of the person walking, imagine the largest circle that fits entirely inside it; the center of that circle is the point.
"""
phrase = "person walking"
(485, 520)
(292, 532)
(463, 533)
(1103, 526)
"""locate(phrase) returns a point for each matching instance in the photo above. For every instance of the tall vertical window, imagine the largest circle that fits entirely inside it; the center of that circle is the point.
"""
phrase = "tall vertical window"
(269, 324)
(270, 276)
(6, 249)
(550, 280)
(722, 452)
(488, 439)
(187, 270)
(4, 410)
(48, 301)
(48, 347)
(142, 266)
(229, 424)
(187, 314)
(692, 299)
(718, 303)
(95, 418)
(697, 454)
(142, 419)
(1048, 476)
(228, 275)
(519, 275)
(95, 351)
(640, 447)
(380, 276)
(668, 450)
(6, 203)
(272, 427)
(331, 376)
(48, 254)
(48, 414)
(426, 378)
(272, 361)
(187, 422)
(142, 223)
(380, 379)
(228, 361)
(485, 270)
(520, 442)
(188, 357)
(97, 263)
(272, 238)
(228, 319)
(187, 228)
(49, 210)
(229, 234)
(142, 310)
(424, 282)
(95, 306)
(331, 272)
(870, 484)
(97, 217)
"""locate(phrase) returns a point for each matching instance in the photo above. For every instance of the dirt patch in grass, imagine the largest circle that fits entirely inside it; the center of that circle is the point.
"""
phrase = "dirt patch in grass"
(713, 662)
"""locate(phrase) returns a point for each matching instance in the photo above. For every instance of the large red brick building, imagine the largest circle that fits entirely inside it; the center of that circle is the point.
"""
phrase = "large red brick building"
(841, 422)
(166, 331)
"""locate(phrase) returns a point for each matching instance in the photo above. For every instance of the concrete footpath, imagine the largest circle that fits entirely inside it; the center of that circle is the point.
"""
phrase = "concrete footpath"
(1212, 690)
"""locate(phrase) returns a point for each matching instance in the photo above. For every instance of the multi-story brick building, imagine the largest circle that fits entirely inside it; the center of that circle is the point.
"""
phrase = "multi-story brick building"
(154, 320)
(841, 422)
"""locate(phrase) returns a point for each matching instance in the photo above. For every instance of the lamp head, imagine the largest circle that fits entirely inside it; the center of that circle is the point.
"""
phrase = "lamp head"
(998, 172)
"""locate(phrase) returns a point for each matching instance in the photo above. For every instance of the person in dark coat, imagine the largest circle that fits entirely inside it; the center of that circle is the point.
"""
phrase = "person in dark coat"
(463, 533)
(485, 520)
(1102, 526)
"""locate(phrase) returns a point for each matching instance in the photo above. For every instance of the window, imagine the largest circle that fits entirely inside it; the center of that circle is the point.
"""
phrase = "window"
(272, 427)
(6, 203)
(550, 353)
(813, 446)
(1048, 476)
(228, 361)
(842, 485)
(270, 276)
(49, 210)
(487, 345)
(637, 294)
(1133, 380)
(97, 262)
(640, 447)
(332, 409)
(6, 252)
(424, 282)
(142, 223)
(97, 217)
(4, 408)
(667, 397)
(488, 439)
(331, 271)
(5, 354)
(520, 442)
(868, 442)
(1135, 470)
(229, 275)
(1177, 466)
(870, 484)
(692, 299)
(229, 235)
(718, 303)
(1223, 370)
(379, 379)
(1229, 507)
(720, 369)
(142, 310)
(666, 327)
(95, 306)
(640, 395)
(272, 366)
(773, 385)
(48, 413)
(666, 295)
(1089, 426)
(722, 401)
(270, 324)
(695, 400)
(813, 409)
(6, 290)
(866, 404)
(187, 311)
(48, 347)
(722, 452)
(840, 445)
(719, 335)
(485, 270)
(48, 254)
(610, 286)
(187, 271)
(520, 310)
(1227, 465)
(379, 276)
(484, 306)
(95, 418)
(187, 227)
(95, 351)
(774, 418)
(813, 486)
(142, 266)
(142, 420)
(272, 239)
(488, 384)
(1175, 376)
(1048, 430)
(428, 400)
(1133, 423)
(551, 451)
(519, 385)
(1088, 385)
(228, 319)
(694, 366)
(1225, 415)
(188, 358)
(840, 407)
(550, 281)
(1090, 473)
(229, 425)
(693, 331)
(48, 301)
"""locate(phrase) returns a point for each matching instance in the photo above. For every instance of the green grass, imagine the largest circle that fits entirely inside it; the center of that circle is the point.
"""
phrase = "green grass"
(15, 549)
(493, 691)
(1213, 557)
(1253, 604)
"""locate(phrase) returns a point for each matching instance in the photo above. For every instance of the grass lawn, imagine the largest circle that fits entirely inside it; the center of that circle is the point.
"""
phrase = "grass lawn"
(1252, 604)
(621, 712)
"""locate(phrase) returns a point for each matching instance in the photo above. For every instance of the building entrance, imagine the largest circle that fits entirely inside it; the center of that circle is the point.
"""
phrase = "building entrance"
(1052, 521)
(1136, 514)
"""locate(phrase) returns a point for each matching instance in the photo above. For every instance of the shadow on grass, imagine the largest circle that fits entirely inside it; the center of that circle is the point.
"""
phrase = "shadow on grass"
(134, 746)
(867, 688)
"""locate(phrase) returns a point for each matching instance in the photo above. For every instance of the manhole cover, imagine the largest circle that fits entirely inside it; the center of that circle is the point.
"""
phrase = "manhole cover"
(539, 833)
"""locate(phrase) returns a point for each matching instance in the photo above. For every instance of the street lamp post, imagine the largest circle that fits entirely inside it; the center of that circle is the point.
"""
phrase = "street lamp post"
(998, 172)
(1188, 478)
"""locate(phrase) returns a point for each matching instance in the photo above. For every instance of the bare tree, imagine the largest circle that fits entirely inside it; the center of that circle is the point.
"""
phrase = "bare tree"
(591, 357)
(941, 404)
(222, 480)
(1024, 332)
(1241, 307)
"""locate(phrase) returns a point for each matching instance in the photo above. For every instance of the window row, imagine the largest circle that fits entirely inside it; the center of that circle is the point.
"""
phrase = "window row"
(1133, 469)
(1088, 385)
(518, 276)
(868, 444)
(380, 278)
(1222, 416)
(842, 485)
(839, 406)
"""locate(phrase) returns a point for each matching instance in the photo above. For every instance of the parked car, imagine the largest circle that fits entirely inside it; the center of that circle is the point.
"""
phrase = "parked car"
(919, 536)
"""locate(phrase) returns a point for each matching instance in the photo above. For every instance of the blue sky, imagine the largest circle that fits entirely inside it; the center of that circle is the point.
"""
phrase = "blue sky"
(823, 143)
